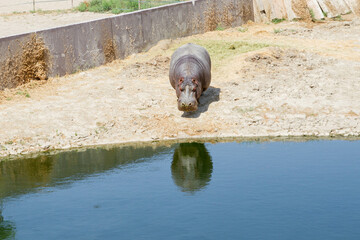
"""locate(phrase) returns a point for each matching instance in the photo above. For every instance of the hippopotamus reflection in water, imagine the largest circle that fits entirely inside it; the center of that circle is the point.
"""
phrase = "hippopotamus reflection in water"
(190, 75)
(7, 228)
(191, 167)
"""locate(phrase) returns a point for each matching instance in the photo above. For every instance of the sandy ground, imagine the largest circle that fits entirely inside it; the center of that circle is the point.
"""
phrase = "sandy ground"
(15, 16)
(12, 24)
(7, 6)
(306, 82)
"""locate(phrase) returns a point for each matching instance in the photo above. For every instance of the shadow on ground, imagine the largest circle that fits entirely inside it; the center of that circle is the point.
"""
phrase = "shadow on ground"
(211, 95)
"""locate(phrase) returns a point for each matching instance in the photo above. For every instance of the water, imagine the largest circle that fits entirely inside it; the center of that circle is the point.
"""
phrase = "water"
(273, 190)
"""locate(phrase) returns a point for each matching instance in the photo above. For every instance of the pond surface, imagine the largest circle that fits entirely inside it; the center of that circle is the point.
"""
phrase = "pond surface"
(250, 190)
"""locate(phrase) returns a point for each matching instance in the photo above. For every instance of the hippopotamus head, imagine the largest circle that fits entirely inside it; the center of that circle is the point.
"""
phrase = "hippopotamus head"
(188, 91)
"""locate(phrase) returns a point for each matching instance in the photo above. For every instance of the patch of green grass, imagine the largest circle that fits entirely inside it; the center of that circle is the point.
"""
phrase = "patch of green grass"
(337, 18)
(243, 110)
(82, 7)
(116, 11)
(118, 6)
(102, 6)
(277, 30)
(39, 11)
(219, 28)
(220, 49)
(324, 13)
(232, 47)
(277, 20)
(312, 14)
(242, 29)
(106, 6)
(43, 11)
(9, 142)
(23, 93)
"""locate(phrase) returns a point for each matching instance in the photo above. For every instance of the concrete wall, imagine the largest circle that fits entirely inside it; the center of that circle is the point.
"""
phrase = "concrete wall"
(86, 45)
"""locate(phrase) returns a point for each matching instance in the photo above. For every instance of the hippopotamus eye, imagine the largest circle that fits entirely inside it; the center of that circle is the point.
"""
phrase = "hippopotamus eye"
(194, 81)
(181, 80)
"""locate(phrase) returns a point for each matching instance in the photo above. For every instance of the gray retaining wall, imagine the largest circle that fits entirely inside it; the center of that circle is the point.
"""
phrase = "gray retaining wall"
(85, 45)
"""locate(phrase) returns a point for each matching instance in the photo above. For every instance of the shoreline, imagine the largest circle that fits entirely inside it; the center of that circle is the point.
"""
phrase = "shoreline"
(169, 142)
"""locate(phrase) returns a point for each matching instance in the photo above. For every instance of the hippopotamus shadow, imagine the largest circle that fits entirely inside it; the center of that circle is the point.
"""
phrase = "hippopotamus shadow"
(211, 95)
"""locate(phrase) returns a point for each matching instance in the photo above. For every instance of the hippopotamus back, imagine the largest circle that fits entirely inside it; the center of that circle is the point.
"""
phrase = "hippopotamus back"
(185, 54)
(190, 74)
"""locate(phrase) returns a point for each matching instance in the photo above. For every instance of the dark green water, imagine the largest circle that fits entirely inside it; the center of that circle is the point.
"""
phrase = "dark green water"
(273, 190)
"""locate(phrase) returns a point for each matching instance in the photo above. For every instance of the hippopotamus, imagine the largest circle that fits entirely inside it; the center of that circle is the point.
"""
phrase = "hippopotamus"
(190, 75)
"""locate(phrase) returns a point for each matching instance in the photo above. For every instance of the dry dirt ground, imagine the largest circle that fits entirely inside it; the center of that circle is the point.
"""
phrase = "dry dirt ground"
(294, 79)
(12, 24)
(10, 6)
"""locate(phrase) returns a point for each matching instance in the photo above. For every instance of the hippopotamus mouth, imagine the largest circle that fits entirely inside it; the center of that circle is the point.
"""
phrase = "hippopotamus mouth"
(187, 107)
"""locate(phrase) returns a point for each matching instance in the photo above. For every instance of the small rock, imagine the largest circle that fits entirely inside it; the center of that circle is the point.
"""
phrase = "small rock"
(270, 116)
(45, 147)
(227, 111)
(12, 152)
